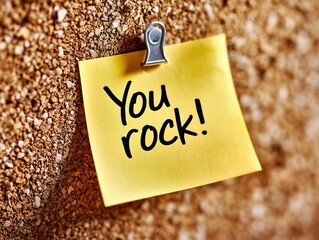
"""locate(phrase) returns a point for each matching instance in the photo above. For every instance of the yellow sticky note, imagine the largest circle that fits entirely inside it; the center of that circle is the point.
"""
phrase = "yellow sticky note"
(162, 129)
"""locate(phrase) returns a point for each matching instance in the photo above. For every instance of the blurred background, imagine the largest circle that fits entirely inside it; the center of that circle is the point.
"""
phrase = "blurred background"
(48, 184)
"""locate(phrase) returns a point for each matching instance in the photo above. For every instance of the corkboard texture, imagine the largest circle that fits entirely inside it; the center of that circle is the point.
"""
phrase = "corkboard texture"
(48, 183)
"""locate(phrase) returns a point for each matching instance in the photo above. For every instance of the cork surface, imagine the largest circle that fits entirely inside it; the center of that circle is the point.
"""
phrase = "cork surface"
(48, 184)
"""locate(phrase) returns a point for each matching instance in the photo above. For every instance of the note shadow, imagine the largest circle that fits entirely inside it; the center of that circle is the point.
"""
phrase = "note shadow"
(75, 198)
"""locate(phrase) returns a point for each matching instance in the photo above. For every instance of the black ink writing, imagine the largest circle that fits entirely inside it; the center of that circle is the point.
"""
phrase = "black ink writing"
(149, 136)
(123, 103)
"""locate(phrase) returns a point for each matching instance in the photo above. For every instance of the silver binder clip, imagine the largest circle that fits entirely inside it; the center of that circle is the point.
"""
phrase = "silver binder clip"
(154, 37)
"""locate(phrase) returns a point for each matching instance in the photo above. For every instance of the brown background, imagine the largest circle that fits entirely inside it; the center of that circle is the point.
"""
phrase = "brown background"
(48, 184)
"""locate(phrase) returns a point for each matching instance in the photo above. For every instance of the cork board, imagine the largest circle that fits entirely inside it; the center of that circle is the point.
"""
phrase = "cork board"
(48, 184)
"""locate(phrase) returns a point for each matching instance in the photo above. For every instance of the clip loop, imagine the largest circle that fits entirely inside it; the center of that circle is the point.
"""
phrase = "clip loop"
(154, 37)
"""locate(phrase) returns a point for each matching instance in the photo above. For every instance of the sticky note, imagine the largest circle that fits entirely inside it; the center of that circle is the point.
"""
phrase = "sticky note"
(162, 129)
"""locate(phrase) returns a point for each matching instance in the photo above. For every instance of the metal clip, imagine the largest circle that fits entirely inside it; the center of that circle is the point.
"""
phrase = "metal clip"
(154, 37)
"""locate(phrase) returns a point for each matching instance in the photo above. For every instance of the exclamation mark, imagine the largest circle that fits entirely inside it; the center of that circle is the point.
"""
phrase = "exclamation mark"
(200, 114)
